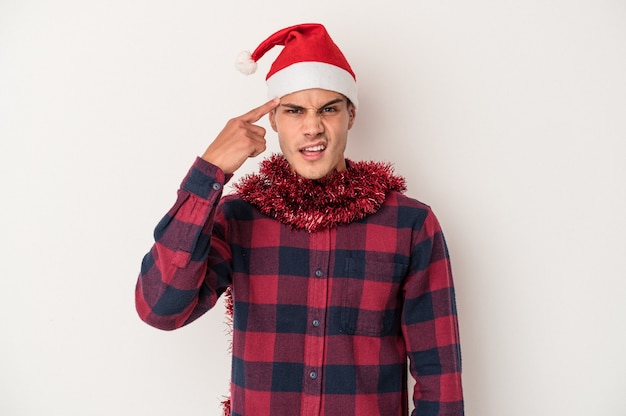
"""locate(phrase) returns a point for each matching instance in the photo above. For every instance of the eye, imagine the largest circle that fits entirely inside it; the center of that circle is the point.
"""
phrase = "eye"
(291, 110)
(328, 110)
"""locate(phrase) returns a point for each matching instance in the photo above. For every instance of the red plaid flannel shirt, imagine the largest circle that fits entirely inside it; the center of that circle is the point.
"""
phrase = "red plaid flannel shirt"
(324, 322)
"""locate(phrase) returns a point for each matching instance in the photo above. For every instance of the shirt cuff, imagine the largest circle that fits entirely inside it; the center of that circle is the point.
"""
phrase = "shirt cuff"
(204, 179)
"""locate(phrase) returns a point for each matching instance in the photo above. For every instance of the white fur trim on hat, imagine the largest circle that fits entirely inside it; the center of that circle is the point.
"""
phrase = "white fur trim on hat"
(306, 75)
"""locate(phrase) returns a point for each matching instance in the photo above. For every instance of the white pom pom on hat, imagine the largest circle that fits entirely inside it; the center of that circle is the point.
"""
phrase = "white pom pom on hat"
(245, 64)
(309, 59)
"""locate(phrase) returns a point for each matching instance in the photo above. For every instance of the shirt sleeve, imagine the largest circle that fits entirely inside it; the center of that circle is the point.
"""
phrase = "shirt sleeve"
(430, 325)
(188, 266)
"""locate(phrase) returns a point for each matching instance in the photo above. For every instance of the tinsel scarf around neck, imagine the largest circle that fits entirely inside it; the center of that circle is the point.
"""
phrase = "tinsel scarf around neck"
(313, 205)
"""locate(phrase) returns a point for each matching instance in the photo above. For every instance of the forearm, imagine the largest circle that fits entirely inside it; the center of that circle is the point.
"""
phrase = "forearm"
(175, 285)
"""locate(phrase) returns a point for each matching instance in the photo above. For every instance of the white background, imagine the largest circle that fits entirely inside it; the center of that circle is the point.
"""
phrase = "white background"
(507, 117)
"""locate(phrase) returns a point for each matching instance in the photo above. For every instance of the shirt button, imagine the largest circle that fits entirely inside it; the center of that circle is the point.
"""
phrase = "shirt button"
(318, 273)
(313, 375)
(216, 186)
(316, 322)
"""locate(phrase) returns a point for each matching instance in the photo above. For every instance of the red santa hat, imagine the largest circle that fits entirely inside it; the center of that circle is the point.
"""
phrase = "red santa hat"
(309, 59)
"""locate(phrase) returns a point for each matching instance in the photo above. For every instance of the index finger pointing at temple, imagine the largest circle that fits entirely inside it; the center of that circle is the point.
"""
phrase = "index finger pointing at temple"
(255, 114)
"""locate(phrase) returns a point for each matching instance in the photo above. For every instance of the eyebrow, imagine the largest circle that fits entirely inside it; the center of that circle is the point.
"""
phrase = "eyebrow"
(299, 107)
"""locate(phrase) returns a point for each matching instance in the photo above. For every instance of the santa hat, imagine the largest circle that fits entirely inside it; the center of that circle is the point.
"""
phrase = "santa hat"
(309, 59)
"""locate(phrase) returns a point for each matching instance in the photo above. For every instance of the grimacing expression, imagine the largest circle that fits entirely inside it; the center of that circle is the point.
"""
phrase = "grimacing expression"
(312, 127)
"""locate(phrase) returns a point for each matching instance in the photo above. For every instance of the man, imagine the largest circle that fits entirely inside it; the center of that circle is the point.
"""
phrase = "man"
(336, 277)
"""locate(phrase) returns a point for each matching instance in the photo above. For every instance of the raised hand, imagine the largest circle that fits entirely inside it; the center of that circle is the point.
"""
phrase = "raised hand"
(239, 139)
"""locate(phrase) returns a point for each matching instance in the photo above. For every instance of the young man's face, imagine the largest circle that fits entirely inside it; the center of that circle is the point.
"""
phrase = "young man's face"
(312, 127)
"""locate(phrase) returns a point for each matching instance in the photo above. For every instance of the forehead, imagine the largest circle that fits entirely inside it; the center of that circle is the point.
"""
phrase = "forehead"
(314, 97)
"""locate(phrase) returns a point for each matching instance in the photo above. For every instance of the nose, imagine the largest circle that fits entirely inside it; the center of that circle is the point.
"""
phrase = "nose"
(312, 123)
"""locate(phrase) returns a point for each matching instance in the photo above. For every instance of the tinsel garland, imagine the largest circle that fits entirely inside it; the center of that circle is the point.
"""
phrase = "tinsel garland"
(228, 301)
(313, 205)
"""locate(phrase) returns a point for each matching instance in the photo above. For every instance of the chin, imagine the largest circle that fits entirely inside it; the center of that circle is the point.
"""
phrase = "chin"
(313, 170)
(312, 174)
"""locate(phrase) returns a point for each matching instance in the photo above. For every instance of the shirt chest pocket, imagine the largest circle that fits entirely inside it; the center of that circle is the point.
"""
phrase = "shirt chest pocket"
(370, 297)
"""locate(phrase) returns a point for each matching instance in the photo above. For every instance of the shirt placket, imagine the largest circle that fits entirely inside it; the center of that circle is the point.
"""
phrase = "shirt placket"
(320, 245)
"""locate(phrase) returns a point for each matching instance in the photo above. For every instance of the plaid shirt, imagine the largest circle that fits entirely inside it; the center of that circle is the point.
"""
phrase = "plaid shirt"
(323, 322)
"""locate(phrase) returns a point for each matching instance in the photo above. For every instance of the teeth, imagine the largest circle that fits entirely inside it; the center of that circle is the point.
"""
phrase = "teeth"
(318, 148)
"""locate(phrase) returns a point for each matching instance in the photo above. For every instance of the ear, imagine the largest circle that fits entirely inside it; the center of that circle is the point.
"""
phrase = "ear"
(272, 115)
(352, 115)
